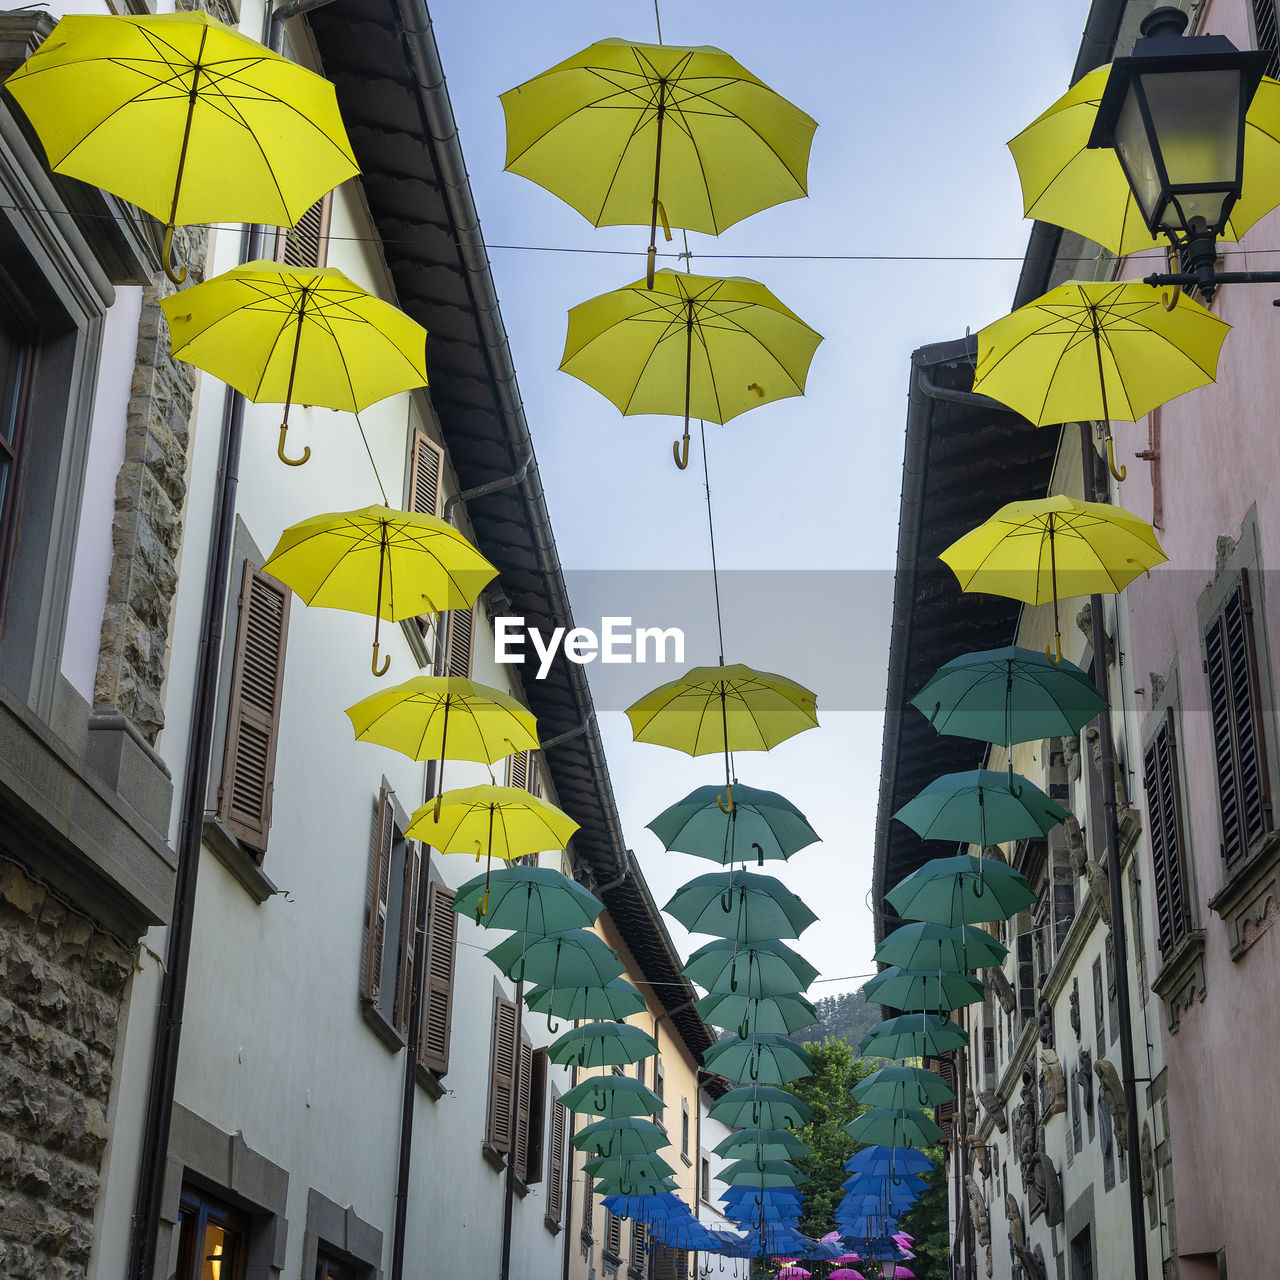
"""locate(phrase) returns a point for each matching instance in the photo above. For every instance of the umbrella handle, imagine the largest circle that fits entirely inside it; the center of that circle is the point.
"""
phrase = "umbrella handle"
(1048, 652)
(759, 854)
(680, 451)
(386, 661)
(754, 1069)
(1118, 473)
(293, 462)
(177, 275)
(552, 1027)
(728, 807)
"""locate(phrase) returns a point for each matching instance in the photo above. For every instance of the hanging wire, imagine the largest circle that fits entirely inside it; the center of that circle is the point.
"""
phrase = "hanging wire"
(657, 19)
(373, 464)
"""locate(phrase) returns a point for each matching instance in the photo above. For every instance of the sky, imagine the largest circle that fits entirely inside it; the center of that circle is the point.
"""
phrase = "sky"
(914, 104)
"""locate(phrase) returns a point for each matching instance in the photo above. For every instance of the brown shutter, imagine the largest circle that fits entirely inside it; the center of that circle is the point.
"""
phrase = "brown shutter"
(638, 1233)
(659, 1087)
(944, 1112)
(424, 475)
(437, 1009)
(458, 655)
(555, 1159)
(1164, 807)
(613, 1235)
(307, 243)
(501, 1074)
(518, 770)
(253, 712)
(588, 1206)
(375, 928)
(408, 921)
(522, 1108)
(536, 1102)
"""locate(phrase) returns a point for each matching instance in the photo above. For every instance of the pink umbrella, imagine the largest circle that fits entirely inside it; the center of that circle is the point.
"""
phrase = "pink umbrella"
(793, 1273)
(849, 1257)
(902, 1235)
(830, 1236)
(846, 1273)
(899, 1273)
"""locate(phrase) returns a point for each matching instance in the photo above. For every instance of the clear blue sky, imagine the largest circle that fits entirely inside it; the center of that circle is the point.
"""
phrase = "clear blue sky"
(914, 104)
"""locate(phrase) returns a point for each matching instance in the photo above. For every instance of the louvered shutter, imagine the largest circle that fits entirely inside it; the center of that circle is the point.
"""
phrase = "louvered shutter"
(555, 1159)
(1164, 807)
(523, 1091)
(501, 1074)
(408, 920)
(518, 770)
(458, 655)
(613, 1235)
(253, 711)
(375, 932)
(306, 244)
(1264, 25)
(536, 1095)
(424, 475)
(437, 1010)
(639, 1232)
(945, 1112)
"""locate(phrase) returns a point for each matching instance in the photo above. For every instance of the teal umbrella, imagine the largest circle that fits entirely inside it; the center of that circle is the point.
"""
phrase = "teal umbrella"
(913, 1035)
(903, 1087)
(602, 1044)
(538, 900)
(616, 999)
(573, 958)
(761, 1058)
(762, 1144)
(961, 890)
(760, 1104)
(918, 990)
(626, 1136)
(640, 1187)
(741, 905)
(762, 825)
(748, 1014)
(749, 969)
(982, 807)
(648, 1168)
(1008, 695)
(951, 948)
(612, 1096)
(774, 1173)
(894, 1127)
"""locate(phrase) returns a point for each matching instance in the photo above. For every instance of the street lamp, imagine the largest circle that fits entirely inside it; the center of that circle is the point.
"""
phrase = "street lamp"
(1174, 113)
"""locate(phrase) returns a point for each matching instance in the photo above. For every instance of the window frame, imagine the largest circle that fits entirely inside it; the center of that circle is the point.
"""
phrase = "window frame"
(202, 1210)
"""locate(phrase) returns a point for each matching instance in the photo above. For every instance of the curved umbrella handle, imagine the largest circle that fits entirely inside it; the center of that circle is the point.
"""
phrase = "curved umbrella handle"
(680, 451)
(552, 1026)
(1118, 473)
(759, 854)
(759, 1161)
(1048, 653)
(599, 1101)
(753, 1069)
(721, 800)
(386, 661)
(288, 461)
(177, 275)
(733, 969)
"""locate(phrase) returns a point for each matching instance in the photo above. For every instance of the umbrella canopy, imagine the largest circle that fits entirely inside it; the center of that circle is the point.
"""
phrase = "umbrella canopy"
(954, 949)
(628, 1168)
(894, 1127)
(1048, 549)
(633, 1186)
(705, 346)
(572, 958)
(496, 822)
(602, 1044)
(912, 1035)
(391, 564)
(845, 1273)
(961, 890)
(915, 989)
(761, 1058)
(873, 1183)
(612, 1096)
(1084, 189)
(762, 1144)
(887, 1160)
(903, 1087)
(298, 335)
(683, 1233)
(740, 905)
(753, 1014)
(659, 1207)
(186, 118)
(537, 900)
(794, 1273)
(763, 968)
(761, 825)
(626, 1136)
(749, 1173)
(1008, 695)
(616, 999)
(982, 807)
(760, 1105)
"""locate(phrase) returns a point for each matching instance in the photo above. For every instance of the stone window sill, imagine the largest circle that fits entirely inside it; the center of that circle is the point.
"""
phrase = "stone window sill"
(430, 1083)
(493, 1157)
(1250, 895)
(238, 860)
(551, 1224)
(377, 1022)
(1180, 983)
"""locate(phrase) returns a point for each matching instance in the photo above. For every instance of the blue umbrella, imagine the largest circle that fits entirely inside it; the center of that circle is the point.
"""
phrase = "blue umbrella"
(870, 1183)
(728, 1244)
(894, 1160)
(647, 1208)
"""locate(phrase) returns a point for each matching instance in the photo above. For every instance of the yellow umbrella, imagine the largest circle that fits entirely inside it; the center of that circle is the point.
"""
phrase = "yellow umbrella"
(706, 346)
(1053, 548)
(1066, 183)
(392, 564)
(282, 334)
(1097, 351)
(186, 118)
(632, 133)
(724, 708)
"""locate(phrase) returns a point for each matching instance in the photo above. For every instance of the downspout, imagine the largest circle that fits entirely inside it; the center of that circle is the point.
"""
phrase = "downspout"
(509, 1186)
(570, 1179)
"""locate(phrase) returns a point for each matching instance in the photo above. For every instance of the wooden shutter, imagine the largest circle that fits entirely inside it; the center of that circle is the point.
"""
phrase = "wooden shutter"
(555, 1159)
(659, 1087)
(536, 1104)
(613, 1235)
(307, 243)
(375, 927)
(522, 1108)
(945, 1112)
(1264, 26)
(1235, 709)
(437, 1009)
(518, 770)
(501, 1074)
(253, 712)
(1164, 808)
(588, 1206)
(408, 922)
(424, 475)
(458, 653)
(639, 1231)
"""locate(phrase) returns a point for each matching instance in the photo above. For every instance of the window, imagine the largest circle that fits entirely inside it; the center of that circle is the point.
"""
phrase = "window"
(588, 1207)
(210, 1239)
(329, 1267)
(1082, 1256)
(395, 865)
(437, 1009)
(684, 1127)
(533, 1096)
(426, 465)
(988, 1050)
(1026, 971)
(639, 1235)
(640, 1070)
(612, 1236)
(307, 243)
(17, 361)
(1235, 704)
(253, 716)
(659, 1084)
(944, 1112)
(704, 1177)
(555, 1163)
(502, 1064)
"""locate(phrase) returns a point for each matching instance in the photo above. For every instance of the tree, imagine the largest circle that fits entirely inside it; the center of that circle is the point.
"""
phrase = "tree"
(928, 1221)
(846, 1016)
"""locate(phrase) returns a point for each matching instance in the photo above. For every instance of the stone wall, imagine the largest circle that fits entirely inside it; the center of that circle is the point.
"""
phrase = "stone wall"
(61, 983)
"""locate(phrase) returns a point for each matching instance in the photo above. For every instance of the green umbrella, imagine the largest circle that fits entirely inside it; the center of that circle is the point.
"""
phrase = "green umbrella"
(1008, 695)
(761, 1058)
(916, 990)
(640, 1187)
(747, 1173)
(628, 1168)
(751, 969)
(612, 1096)
(750, 908)
(760, 1104)
(982, 807)
(762, 1144)
(952, 949)
(626, 1136)
(894, 1127)
(536, 900)
(749, 1014)
(616, 999)
(761, 825)
(573, 958)
(903, 1087)
(602, 1044)
(961, 890)
(913, 1035)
